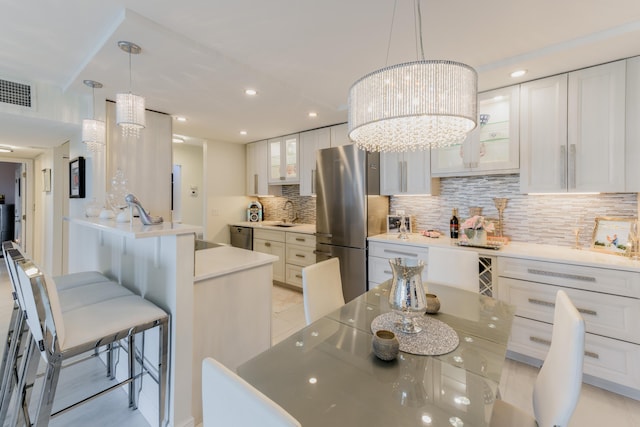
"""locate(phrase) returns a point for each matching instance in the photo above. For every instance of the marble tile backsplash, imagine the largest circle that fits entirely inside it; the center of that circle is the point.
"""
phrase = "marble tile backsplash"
(527, 218)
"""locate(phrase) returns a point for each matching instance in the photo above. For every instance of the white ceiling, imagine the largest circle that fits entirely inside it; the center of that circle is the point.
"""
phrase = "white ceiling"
(198, 56)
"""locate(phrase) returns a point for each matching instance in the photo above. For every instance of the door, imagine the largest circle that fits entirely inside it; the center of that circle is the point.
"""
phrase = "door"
(20, 208)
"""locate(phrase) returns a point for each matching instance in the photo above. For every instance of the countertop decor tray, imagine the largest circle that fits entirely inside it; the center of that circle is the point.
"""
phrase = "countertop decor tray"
(490, 245)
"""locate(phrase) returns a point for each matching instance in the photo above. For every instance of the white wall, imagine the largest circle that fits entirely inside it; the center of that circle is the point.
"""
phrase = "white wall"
(190, 157)
(225, 188)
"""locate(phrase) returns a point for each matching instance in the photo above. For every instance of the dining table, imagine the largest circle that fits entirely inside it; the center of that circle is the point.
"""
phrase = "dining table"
(327, 374)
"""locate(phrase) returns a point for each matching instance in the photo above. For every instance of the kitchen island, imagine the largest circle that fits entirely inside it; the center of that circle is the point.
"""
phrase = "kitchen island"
(199, 291)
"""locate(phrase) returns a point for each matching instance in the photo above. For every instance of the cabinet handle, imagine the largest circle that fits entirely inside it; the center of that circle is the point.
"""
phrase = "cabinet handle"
(300, 239)
(543, 341)
(572, 166)
(301, 256)
(392, 251)
(400, 174)
(551, 304)
(561, 275)
(267, 244)
(282, 178)
(388, 272)
(563, 165)
(313, 181)
(405, 173)
(298, 276)
(255, 183)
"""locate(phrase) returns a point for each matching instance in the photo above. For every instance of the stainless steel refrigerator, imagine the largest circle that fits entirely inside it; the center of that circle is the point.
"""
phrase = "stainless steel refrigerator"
(348, 210)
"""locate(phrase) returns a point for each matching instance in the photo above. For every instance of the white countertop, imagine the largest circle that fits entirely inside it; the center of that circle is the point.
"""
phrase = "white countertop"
(215, 262)
(271, 225)
(135, 229)
(533, 251)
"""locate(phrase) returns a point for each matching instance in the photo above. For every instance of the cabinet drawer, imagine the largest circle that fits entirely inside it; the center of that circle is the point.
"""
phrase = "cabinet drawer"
(605, 358)
(278, 236)
(615, 282)
(301, 239)
(380, 270)
(608, 315)
(390, 250)
(294, 275)
(300, 255)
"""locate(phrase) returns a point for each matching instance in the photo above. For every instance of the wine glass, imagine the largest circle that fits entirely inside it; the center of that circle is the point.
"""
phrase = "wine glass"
(576, 228)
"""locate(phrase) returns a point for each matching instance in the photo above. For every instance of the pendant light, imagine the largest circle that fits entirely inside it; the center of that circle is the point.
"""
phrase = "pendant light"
(130, 107)
(415, 105)
(93, 131)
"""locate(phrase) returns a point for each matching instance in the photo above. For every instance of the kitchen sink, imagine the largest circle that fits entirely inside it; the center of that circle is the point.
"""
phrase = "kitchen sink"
(284, 225)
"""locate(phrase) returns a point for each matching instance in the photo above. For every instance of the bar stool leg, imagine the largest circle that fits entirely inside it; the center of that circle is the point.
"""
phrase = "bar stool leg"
(163, 371)
(133, 393)
(10, 360)
(26, 377)
(45, 404)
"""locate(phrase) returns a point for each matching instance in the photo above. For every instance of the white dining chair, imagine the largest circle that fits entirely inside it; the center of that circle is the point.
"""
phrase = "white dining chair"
(321, 289)
(557, 387)
(228, 400)
(453, 267)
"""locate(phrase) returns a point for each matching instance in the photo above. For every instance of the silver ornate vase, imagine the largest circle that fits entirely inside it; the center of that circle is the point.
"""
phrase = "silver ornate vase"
(407, 296)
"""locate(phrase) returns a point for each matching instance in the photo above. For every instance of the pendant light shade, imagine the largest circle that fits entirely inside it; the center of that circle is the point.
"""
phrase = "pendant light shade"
(93, 131)
(413, 106)
(130, 114)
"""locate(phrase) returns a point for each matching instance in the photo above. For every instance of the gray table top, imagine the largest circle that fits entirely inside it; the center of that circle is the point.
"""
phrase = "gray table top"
(326, 374)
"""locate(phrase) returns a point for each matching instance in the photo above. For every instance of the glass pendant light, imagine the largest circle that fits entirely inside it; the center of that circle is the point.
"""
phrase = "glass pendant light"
(93, 131)
(130, 115)
(413, 106)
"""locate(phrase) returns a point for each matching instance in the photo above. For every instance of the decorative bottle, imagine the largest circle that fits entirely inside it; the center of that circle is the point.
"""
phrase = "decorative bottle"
(453, 224)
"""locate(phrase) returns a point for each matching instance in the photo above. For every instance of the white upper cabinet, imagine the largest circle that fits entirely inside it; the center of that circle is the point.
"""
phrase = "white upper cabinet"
(573, 131)
(407, 173)
(283, 160)
(257, 169)
(340, 135)
(493, 146)
(310, 143)
(632, 140)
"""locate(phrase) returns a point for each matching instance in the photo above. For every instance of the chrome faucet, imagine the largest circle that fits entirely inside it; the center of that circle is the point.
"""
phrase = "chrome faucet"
(291, 216)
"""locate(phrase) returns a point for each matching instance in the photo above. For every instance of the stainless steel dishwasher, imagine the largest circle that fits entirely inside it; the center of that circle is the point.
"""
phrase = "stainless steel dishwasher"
(241, 237)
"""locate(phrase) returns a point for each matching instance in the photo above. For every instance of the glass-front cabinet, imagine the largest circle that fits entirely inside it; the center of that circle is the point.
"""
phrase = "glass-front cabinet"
(283, 160)
(492, 147)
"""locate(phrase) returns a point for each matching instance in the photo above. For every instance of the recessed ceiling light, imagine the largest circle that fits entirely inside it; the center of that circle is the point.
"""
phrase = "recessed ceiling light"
(243, 132)
(5, 149)
(518, 73)
(178, 140)
(313, 114)
(250, 92)
(181, 119)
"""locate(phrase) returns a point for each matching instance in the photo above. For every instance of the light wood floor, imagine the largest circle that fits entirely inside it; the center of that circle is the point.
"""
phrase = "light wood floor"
(595, 408)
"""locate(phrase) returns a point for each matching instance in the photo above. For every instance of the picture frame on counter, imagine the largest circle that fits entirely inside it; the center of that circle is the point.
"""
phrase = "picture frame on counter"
(77, 178)
(394, 221)
(611, 235)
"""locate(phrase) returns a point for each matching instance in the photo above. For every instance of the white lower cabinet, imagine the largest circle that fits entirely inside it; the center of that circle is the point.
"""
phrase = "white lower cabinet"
(271, 242)
(608, 301)
(380, 253)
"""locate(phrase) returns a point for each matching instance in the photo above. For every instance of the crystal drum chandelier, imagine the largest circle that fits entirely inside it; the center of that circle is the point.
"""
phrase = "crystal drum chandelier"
(93, 131)
(129, 107)
(413, 106)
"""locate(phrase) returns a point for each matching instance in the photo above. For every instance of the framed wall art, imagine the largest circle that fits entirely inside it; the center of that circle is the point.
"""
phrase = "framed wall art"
(76, 178)
(394, 221)
(611, 235)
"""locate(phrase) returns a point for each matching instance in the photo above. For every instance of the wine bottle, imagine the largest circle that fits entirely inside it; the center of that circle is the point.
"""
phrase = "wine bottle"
(453, 224)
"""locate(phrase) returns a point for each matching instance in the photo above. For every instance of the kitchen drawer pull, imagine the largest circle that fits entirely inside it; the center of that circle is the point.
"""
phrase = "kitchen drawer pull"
(551, 304)
(388, 272)
(391, 251)
(300, 239)
(561, 275)
(298, 276)
(301, 256)
(548, 343)
(267, 244)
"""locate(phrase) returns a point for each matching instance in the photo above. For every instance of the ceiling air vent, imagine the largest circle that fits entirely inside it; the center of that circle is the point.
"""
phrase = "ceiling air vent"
(15, 93)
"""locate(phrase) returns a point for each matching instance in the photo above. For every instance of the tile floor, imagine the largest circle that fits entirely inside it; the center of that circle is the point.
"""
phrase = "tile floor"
(595, 408)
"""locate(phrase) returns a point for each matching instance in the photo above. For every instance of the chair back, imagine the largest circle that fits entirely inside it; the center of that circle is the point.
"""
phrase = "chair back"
(228, 400)
(44, 314)
(557, 387)
(453, 267)
(321, 289)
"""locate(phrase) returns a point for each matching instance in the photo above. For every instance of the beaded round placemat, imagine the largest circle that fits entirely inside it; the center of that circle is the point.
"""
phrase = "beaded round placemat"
(435, 338)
